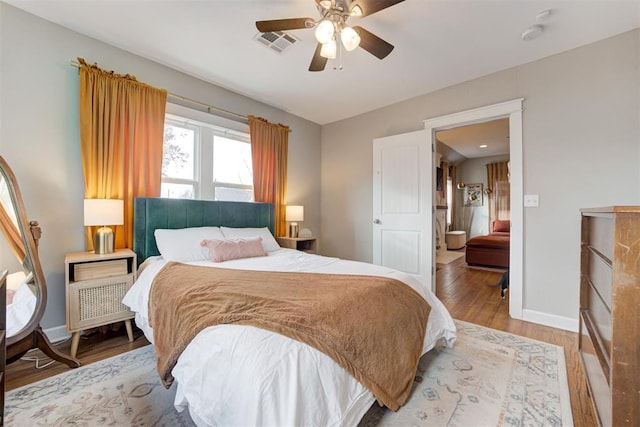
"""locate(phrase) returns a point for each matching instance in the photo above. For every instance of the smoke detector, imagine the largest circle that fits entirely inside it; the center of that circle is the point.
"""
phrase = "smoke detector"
(532, 32)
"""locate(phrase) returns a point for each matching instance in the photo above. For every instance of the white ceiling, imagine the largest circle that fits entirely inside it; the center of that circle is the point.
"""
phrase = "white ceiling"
(438, 43)
(474, 141)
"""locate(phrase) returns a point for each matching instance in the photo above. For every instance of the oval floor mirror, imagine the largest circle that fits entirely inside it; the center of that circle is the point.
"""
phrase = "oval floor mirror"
(26, 287)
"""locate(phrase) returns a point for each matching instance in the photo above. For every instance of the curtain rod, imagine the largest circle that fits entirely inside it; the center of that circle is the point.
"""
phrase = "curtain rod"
(209, 107)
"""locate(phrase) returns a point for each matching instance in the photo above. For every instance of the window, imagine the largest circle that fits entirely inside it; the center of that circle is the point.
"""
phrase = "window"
(232, 169)
(205, 161)
(179, 175)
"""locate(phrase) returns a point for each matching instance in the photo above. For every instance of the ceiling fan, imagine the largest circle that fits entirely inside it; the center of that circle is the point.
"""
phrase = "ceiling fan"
(333, 25)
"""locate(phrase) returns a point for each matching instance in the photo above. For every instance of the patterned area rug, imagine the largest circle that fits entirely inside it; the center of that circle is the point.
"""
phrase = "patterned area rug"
(446, 257)
(124, 390)
(489, 378)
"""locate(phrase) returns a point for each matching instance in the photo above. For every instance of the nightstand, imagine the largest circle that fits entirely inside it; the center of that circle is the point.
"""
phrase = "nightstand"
(305, 244)
(95, 286)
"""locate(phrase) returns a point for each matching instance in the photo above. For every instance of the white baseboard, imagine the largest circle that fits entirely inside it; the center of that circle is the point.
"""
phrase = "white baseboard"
(57, 333)
(546, 319)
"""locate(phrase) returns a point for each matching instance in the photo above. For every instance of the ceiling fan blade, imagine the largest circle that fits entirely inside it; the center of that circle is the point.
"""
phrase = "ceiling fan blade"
(373, 44)
(369, 7)
(318, 62)
(284, 24)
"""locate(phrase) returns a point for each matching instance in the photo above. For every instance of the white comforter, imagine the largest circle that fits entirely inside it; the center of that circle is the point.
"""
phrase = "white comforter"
(235, 375)
(21, 310)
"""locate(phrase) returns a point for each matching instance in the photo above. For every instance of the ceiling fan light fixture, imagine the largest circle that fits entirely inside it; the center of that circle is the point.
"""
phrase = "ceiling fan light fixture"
(331, 32)
(329, 49)
(350, 38)
(325, 31)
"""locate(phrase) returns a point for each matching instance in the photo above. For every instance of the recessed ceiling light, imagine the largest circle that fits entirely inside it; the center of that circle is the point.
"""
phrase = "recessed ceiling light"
(483, 146)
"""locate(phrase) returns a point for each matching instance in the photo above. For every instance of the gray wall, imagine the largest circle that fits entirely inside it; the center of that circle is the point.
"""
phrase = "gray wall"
(39, 134)
(581, 136)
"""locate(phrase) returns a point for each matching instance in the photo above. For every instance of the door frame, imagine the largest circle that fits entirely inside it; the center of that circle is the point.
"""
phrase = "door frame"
(513, 110)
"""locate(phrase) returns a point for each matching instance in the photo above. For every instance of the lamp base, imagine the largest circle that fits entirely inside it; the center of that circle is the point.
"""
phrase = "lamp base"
(103, 241)
(293, 229)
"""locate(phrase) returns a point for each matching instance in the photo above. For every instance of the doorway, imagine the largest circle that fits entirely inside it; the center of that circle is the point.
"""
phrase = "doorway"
(511, 110)
(464, 153)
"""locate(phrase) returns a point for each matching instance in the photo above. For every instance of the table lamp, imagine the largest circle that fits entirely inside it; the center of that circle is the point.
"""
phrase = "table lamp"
(103, 212)
(293, 214)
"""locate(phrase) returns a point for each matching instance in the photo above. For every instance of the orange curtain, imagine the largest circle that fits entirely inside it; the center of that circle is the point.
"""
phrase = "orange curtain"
(269, 152)
(11, 232)
(499, 197)
(121, 139)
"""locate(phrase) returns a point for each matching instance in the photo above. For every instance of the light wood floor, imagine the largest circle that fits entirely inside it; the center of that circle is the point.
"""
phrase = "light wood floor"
(469, 294)
(92, 348)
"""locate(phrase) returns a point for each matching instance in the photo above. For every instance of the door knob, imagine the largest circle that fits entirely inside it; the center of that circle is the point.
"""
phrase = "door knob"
(377, 221)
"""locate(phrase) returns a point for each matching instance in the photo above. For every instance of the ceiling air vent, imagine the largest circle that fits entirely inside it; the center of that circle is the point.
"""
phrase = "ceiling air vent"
(277, 41)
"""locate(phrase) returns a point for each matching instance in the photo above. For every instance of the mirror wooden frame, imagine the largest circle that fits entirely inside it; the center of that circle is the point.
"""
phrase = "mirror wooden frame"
(31, 335)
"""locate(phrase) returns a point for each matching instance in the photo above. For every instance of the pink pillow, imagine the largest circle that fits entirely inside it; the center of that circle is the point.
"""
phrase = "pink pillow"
(10, 294)
(501, 226)
(227, 249)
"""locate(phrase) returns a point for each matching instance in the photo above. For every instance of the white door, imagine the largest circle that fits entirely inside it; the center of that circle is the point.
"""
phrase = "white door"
(403, 203)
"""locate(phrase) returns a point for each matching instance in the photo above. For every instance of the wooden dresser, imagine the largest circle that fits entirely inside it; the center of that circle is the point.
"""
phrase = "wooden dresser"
(609, 340)
(3, 340)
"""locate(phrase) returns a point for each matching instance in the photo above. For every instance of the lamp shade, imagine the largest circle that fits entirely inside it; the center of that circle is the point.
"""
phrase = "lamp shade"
(350, 38)
(295, 213)
(324, 31)
(328, 50)
(103, 212)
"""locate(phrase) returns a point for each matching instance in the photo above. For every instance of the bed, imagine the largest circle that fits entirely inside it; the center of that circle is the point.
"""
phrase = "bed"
(491, 250)
(236, 374)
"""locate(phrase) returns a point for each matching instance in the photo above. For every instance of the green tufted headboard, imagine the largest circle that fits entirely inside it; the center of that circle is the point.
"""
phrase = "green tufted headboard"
(150, 213)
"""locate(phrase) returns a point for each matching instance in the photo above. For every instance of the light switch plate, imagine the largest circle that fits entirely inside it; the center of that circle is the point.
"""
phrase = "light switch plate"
(530, 200)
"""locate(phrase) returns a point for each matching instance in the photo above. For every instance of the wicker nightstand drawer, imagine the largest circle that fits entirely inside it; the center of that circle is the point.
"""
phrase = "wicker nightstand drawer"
(95, 287)
(98, 302)
(95, 270)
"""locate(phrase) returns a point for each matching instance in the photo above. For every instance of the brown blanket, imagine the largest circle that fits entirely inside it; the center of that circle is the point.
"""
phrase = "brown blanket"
(371, 326)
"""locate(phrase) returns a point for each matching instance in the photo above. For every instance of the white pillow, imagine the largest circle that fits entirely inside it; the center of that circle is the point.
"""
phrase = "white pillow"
(183, 244)
(268, 241)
